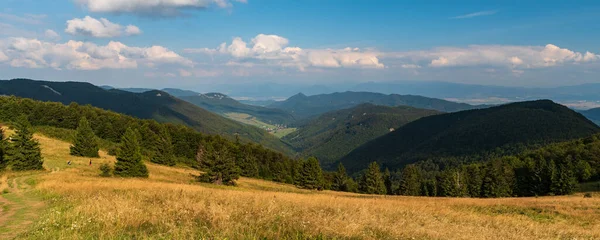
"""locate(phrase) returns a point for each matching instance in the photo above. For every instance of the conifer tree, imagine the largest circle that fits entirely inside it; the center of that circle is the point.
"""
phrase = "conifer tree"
(311, 175)
(85, 141)
(410, 183)
(387, 180)
(24, 152)
(372, 181)
(340, 179)
(129, 157)
(219, 165)
(163, 153)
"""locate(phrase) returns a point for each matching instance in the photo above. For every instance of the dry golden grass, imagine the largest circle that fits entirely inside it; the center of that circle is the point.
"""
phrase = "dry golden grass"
(171, 205)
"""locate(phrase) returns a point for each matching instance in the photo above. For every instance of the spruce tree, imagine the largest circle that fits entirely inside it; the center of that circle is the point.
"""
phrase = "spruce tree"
(372, 181)
(340, 179)
(24, 152)
(85, 141)
(387, 180)
(218, 164)
(129, 157)
(163, 153)
(410, 182)
(311, 175)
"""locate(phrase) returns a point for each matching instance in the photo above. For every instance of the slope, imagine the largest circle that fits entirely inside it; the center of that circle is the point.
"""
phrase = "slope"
(470, 133)
(592, 114)
(220, 103)
(334, 134)
(153, 104)
(303, 106)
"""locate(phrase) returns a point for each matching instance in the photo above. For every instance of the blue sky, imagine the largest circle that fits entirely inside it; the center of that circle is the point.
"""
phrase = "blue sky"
(189, 43)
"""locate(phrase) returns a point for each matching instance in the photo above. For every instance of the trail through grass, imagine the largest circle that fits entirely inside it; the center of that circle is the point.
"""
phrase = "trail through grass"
(20, 203)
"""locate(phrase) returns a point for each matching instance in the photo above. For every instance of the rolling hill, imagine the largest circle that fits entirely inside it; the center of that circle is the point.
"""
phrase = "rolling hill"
(471, 133)
(152, 104)
(221, 104)
(592, 114)
(334, 134)
(303, 106)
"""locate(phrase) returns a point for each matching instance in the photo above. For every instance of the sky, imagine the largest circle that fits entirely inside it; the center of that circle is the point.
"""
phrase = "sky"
(192, 43)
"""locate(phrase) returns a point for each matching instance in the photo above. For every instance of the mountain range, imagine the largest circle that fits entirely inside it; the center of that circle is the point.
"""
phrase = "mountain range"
(302, 106)
(471, 134)
(152, 104)
(334, 134)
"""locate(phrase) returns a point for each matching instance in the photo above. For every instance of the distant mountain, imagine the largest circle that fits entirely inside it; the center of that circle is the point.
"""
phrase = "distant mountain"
(151, 104)
(334, 134)
(592, 114)
(221, 103)
(472, 134)
(136, 90)
(180, 92)
(483, 93)
(303, 106)
(261, 103)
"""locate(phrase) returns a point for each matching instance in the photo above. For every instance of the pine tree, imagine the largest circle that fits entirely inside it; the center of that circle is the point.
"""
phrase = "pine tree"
(129, 157)
(24, 152)
(85, 141)
(311, 175)
(219, 165)
(410, 182)
(372, 181)
(163, 153)
(340, 179)
(387, 180)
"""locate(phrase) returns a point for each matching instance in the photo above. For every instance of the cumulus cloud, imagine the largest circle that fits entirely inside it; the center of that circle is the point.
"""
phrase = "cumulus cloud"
(102, 28)
(51, 34)
(274, 50)
(34, 53)
(514, 57)
(151, 7)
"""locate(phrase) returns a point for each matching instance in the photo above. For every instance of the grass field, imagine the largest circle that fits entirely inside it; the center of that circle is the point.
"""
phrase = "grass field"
(72, 202)
(250, 120)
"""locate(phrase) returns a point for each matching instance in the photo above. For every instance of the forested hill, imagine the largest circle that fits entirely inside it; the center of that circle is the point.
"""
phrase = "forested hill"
(334, 134)
(153, 104)
(592, 114)
(303, 106)
(470, 134)
(221, 103)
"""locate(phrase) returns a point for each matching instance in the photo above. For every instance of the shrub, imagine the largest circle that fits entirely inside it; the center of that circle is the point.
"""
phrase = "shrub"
(105, 170)
(587, 195)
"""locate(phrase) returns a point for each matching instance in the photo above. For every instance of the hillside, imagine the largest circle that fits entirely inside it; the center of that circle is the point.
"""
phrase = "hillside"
(73, 202)
(303, 106)
(472, 132)
(592, 114)
(153, 104)
(222, 104)
(334, 134)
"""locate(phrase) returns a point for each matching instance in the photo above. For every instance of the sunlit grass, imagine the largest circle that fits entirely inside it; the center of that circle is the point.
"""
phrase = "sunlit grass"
(172, 205)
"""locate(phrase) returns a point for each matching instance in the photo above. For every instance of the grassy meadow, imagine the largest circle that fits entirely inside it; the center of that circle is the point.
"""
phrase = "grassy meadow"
(73, 202)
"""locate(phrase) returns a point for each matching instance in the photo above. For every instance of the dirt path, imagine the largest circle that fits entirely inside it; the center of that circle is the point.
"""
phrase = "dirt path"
(20, 206)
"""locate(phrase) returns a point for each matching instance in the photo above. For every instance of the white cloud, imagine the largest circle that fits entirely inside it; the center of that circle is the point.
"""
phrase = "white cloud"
(475, 14)
(273, 50)
(131, 30)
(521, 57)
(410, 66)
(51, 34)
(151, 7)
(33, 53)
(102, 28)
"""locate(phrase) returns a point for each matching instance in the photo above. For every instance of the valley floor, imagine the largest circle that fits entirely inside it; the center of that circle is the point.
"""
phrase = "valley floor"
(73, 202)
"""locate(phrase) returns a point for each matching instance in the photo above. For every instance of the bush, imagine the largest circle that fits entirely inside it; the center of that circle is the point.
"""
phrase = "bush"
(105, 170)
(587, 195)
(112, 151)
